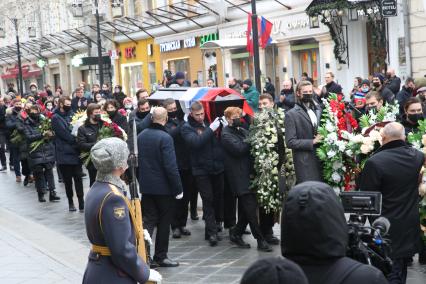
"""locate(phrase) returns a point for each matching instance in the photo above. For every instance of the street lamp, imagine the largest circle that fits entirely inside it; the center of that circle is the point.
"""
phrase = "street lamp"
(100, 59)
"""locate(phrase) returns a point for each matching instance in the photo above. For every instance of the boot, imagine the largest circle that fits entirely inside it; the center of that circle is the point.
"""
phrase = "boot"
(26, 181)
(176, 233)
(219, 226)
(213, 240)
(71, 206)
(184, 231)
(18, 179)
(81, 204)
(53, 197)
(31, 179)
(262, 245)
(41, 197)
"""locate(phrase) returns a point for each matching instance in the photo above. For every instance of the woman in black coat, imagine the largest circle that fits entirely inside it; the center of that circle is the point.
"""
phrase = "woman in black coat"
(238, 166)
(87, 135)
(111, 107)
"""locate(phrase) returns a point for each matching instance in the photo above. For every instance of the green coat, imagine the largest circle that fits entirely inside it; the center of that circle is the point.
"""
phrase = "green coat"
(252, 97)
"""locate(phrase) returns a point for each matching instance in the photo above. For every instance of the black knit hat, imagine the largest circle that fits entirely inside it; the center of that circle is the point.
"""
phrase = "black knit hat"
(248, 82)
(274, 270)
(365, 81)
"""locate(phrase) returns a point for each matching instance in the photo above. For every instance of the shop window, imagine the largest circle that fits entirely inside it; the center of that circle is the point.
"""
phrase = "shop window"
(132, 79)
(152, 73)
(180, 65)
(309, 63)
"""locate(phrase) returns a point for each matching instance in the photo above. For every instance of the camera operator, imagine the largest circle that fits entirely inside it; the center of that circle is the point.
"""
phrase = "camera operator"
(394, 171)
(315, 235)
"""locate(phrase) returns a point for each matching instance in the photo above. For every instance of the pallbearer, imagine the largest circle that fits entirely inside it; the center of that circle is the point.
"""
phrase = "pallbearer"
(110, 224)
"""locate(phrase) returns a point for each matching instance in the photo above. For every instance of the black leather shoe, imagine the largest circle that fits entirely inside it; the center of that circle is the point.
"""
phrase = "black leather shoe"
(219, 226)
(71, 207)
(213, 240)
(184, 231)
(237, 240)
(272, 240)
(53, 196)
(262, 245)
(176, 234)
(194, 217)
(41, 197)
(81, 206)
(167, 263)
(26, 181)
(153, 264)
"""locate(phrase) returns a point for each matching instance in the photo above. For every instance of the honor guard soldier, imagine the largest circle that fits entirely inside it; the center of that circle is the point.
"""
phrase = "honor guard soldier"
(110, 225)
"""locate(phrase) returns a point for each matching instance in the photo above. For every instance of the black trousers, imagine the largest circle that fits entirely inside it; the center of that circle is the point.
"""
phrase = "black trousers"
(181, 212)
(211, 191)
(266, 222)
(247, 209)
(398, 274)
(193, 199)
(92, 174)
(44, 179)
(158, 212)
(230, 203)
(3, 150)
(26, 169)
(70, 173)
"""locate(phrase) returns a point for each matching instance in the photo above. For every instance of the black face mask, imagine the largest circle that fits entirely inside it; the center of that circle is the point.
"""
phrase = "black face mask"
(17, 109)
(231, 86)
(286, 91)
(172, 114)
(142, 114)
(415, 117)
(410, 90)
(34, 116)
(97, 117)
(111, 113)
(372, 109)
(67, 108)
(307, 98)
(236, 122)
(377, 84)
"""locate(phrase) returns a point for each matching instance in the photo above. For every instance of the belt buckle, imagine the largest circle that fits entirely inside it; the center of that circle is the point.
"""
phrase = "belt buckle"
(94, 256)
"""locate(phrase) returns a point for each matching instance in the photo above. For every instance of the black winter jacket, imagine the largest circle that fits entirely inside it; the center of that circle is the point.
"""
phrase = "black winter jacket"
(141, 124)
(205, 150)
(119, 97)
(173, 127)
(79, 104)
(238, 164)
(158, 171)
(387, 95)
(402, 98)
(121, 121)
(87, 136)
(44, 154)
(3, 128)
(315, 236)
(67, 152)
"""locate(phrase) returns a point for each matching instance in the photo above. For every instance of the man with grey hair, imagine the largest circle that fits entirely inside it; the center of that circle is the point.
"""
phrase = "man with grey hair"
(392, 81)
(159, 182)
(394, 170)
(109, 226)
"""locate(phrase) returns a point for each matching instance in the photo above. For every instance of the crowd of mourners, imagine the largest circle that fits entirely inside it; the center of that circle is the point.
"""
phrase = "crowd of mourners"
(211, 158)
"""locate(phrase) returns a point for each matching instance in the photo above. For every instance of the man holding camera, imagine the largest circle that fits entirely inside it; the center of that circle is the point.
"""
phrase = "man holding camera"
(394, 171)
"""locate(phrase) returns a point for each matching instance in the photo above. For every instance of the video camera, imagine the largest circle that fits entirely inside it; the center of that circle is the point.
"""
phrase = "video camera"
(367, 243)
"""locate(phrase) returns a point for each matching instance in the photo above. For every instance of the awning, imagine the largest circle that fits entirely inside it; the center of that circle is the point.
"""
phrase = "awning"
(232, 43)
(25, 75)
(185, 35)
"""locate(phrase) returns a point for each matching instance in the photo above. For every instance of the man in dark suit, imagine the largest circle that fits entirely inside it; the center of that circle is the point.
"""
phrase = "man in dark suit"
(159, 182)
(301, 124)
(394, 171)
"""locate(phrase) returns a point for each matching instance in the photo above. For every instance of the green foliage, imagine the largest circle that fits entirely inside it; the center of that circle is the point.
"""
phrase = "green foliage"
(44, 127)
(17, 138)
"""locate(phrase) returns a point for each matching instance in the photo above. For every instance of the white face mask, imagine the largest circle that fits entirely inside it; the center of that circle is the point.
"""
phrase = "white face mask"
(128, 106)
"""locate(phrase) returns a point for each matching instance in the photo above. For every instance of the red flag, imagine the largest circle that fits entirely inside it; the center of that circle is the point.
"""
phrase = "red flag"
(249, 36)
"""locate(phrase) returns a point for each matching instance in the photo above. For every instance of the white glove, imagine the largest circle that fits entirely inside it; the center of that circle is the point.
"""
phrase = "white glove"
(147, 237)
(179, 196)
(154, 276)
(215, 124)
(224, 121)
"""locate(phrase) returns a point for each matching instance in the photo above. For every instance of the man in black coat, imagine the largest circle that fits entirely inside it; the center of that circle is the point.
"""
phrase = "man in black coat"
(287, 98)
(67, 152)
(79, 102)
(238, 167)
(173, 126)
(159, 183)
(138, 116)
(3, 135)
(387, 95)
(394, 171)
(330, 86)
(405, 93)
(119, 96)
(314, 234)
(301, 124)
(41, 159)
(393, 82)
(207, 167)
(269, 88)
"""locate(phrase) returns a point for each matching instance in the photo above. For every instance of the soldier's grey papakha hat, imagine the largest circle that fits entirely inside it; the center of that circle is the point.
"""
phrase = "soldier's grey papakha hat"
(110, 154)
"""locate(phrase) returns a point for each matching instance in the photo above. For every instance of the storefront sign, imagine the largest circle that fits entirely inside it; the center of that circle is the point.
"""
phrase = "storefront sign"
(389, 8)
(114, 54)
(177, 44)
(77, 60)
(189, 42)
(209, 37)
(130, 52)
(52, 61)
(41, 63)
(170, 46)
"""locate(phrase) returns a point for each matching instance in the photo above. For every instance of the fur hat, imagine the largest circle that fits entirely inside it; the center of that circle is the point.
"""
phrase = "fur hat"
(110, 154)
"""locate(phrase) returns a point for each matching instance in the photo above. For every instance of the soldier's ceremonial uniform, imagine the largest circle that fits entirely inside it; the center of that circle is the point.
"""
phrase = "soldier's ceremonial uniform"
(110, 225)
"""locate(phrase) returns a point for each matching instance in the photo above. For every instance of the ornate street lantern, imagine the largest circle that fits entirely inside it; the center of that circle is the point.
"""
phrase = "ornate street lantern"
(77, 8)
(313, 22)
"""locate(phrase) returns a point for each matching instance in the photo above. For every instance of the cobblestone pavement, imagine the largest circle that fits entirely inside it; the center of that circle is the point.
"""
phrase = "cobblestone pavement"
(44, 243)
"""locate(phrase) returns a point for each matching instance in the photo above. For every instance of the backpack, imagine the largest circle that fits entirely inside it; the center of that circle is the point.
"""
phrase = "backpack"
(341, 270)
